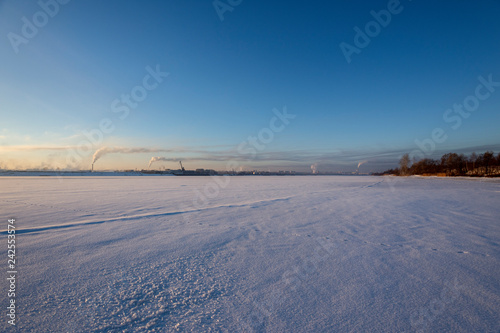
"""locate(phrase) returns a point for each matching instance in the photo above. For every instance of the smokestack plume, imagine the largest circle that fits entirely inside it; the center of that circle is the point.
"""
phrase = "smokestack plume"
(361, 163)
(113, 150)
(314, 168)
(161, 159)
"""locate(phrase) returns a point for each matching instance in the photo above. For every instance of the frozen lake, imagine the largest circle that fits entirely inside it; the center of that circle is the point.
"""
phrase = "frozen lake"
(254, 254)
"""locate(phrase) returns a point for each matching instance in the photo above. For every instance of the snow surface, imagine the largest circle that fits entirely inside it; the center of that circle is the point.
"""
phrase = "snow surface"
(256, 254)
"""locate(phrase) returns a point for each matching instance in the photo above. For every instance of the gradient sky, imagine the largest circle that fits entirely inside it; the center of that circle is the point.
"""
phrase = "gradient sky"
(227, 76)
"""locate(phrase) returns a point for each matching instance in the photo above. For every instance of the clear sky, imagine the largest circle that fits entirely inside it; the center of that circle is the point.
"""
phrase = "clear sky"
(273, 85)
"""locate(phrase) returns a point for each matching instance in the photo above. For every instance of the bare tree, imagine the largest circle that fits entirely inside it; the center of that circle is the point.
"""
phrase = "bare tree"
(453, 164)
(488, 160)
(404, 163)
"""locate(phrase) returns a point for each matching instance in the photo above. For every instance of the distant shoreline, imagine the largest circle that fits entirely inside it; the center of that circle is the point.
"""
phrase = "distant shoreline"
(157, 174)
(439, 176)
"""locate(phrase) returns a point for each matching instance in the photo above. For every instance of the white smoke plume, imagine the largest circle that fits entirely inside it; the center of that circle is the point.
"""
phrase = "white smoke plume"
(113, 150)
(314, 168)
(161, 159)
(361, 163)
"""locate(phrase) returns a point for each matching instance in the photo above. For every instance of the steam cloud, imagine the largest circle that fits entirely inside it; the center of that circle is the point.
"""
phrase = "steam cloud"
(111, 150)
(361, 163)
(314, 168)
(161, 159)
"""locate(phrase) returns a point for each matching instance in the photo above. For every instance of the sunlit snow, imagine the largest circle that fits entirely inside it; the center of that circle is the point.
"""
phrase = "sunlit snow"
(255, 254)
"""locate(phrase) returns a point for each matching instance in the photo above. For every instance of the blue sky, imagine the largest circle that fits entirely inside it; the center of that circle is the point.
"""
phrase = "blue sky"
(225, 78)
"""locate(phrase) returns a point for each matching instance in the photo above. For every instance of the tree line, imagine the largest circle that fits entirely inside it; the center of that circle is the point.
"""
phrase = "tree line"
(451, 164)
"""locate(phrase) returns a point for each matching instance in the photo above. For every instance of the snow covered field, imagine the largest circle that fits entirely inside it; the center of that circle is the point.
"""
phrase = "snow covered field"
(259, 254)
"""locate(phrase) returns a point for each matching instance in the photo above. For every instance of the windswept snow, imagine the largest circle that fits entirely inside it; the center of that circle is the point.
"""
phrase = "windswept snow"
(262, 254)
